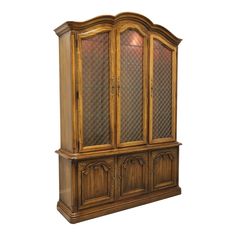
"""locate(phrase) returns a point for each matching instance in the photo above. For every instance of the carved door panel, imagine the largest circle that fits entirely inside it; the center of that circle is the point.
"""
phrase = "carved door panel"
(162, 118)
(96, 89)
(131, 85)
(132, 174)
(164, 169)
(96, 182)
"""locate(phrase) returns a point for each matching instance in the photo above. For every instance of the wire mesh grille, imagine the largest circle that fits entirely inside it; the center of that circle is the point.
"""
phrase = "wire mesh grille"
(131, 82)
(162, 91)
(96, 73)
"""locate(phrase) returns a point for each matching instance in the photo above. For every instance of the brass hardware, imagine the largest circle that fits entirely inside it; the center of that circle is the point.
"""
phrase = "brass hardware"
(113, 85)
(118, 87)
(151, 90)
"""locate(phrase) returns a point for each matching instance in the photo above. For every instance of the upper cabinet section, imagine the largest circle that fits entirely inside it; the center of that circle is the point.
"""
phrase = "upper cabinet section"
(118, 77)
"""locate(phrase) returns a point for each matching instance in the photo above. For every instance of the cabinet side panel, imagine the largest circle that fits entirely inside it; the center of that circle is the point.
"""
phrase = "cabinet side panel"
(65, 181)
(66, 92)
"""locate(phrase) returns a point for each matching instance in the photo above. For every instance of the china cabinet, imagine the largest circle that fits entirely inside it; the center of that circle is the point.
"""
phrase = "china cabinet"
(118, 91)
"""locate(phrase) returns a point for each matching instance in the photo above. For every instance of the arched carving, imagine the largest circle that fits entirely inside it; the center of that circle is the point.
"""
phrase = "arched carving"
(164, 169)
(133, 160)
(164, 155)
(96, 165)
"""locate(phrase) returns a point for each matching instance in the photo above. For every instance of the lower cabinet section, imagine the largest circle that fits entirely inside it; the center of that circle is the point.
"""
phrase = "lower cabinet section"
(118, 182)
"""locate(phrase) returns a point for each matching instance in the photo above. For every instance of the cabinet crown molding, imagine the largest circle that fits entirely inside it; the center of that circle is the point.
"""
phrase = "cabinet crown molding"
(112, 20)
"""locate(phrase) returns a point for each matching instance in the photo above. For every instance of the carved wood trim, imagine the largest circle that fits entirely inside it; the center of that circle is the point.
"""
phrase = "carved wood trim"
(127, 150)
(95, 165)
(164, 155)
(132, 160)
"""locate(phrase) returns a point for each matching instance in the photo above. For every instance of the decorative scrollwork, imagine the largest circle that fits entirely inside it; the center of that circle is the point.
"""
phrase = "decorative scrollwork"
(164, 155)
(95, 166)
(133, 160)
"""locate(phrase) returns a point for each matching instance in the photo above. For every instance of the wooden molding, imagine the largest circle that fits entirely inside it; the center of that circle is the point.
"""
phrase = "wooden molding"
(89, 213)
(112, 20)
(115, 151)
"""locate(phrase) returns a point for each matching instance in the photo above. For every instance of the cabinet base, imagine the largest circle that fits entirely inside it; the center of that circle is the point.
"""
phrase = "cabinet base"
(89, 213)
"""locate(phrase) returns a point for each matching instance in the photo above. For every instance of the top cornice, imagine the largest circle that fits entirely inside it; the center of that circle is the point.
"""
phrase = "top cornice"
(112, 20)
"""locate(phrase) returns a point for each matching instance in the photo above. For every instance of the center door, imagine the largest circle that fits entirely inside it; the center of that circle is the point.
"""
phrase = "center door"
(131, 85)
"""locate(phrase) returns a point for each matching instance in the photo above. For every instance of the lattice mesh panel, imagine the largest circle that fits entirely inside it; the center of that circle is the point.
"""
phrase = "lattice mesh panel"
(95, 73)
(162, 91)
(131, 82)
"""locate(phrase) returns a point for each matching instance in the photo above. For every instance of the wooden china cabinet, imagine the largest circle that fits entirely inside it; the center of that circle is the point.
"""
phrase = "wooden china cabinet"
(118, 90)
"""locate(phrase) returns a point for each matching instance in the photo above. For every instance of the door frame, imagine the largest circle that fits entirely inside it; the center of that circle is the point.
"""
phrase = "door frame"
(90, 32)
(174, 88)
(121, 27)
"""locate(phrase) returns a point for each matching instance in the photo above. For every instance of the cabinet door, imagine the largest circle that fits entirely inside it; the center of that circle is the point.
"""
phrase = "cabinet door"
(131, 85)
(96, 182)
(164, 169)
(96, 89)
(132, 174)
(162, 123)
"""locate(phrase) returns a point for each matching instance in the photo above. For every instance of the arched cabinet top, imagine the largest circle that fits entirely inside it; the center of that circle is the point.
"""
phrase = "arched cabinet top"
(113, 20)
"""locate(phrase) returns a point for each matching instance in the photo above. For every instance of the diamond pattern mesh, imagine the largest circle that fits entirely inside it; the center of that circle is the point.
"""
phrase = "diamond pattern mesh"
(162, 91)
(131, 82)
(95, 73)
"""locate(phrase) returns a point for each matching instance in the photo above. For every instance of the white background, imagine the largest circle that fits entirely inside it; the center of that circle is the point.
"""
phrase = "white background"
(29, 126)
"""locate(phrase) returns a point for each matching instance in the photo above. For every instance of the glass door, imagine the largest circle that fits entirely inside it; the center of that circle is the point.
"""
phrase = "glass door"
(162, 118)
(131, 85)
(96, 89)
